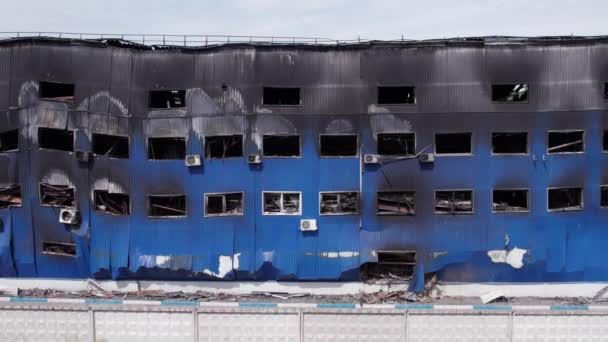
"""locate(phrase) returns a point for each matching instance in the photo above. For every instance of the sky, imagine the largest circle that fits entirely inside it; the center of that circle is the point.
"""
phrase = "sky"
(336, 19)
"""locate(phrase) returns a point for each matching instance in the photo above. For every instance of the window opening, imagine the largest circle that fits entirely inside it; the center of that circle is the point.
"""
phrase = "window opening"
(286, 203)
(395, 203)
(565, 142)
(167, 99)
(396, 95)
(510, 143)
(398, 264)
(398, 144)
(337, 203)
(339, 145)
(273, 96)
(111, 203)
(59, 248)
(56, 139)
(509, 200)
(166, 148)
(510, 92)
(225, 204)
(454, 202)
(224, 146)
(281, 145)
(453, 143)
(111, 145)
(565, 199)
(10, 196)
(54, 195)
(56, 91)
(9, 141)
(604, 196)
(167, 206)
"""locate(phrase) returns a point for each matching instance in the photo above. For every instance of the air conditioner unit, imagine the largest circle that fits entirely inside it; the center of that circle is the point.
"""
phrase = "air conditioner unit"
(308, 225)
(69, 216)
(83, 156)
(193, 160)
(254, 159)
(426, 158)
(371, 159)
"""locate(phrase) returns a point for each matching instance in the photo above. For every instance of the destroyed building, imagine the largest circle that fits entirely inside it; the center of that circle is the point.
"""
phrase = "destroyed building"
(480, 159)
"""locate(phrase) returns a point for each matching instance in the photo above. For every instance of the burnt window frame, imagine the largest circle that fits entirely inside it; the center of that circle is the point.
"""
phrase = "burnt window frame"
(413, 87)
(149, 207)
(150, 108)
(527, 153)
(605, 91)
(298, 213)
(603, 186)
(55, 149)
(509, 102)
(528, 202)
(582, 207)
(378, 213)
(40, 82)
(357, 193)
(60, 243)
(223, 135)
(11, 186)
(396, 155)
(604, 136)
(165, 160)
(223, 194)
(112, 135)
(107, 212)
(300, 98)
(56, 206)
(469, 154)
(566, 131)
(282, 157)
(18, 145)
(453, 213)
(338, 156)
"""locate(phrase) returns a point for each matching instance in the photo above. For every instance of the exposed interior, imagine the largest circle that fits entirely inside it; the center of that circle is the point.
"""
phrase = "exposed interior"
(510, 143)
(111, 203)
(396, 144)
(564, 199)
(59, 248)
(339, 203)
(166, 148)
(10, 196)
(394, 264)
(565, 142)
(56, 91)
(9, 141)
(510, 200)
(605, 141)
(396, 203)
(167, 206)
(275, 96)
(510, 92)
(226, 204)
(453, 143)
(56, 139)
(338, 145)
(167, 99)
(454, 202)
(57, 195)
(281, 145)
(287, 203)
(604, 196)
(111, 145)
(224, 146)
(392, 95)
(606, 91)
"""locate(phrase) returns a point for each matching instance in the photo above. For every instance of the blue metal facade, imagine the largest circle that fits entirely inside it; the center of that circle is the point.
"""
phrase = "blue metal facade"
(338, 84)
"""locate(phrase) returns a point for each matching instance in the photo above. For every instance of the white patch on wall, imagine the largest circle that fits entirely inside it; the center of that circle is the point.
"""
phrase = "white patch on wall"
(268, 256)
(261, 110)
(230, 101)
(226, 265)
(513, 257)
(101, 95)
(57, 177)
(334, 255)
(287, 59)
(375, 109)
(271, 124)
(28, 89)
(339, 126)
(106, 184)
(388, 123)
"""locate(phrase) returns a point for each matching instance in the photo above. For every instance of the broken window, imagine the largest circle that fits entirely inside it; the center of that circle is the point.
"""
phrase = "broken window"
(453, 143)
(605, 141)
(225, 204)
(56, 139)
(57, 195)
(509, 92)
(59, 248)
(10, 196)
(285, 203)
(281, 145)
(396, 95)
(9, 141)
(167, 99)
(339, 203)
(509, 200)
(111, 145)
(395, 203)
(565, 142)
(166, 148)
(338, 145)
(224, 146)
(454, 202)
(281, 96)
(391, 265)
(396, 144)
(167, 206)
(111, 203)
(604, 196)
(56, 91)
(565, 199)
(510, 143)
(606, 91)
